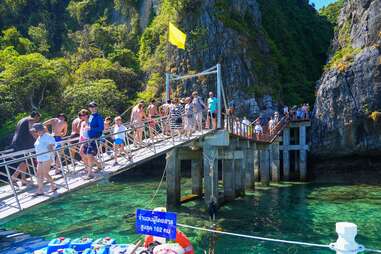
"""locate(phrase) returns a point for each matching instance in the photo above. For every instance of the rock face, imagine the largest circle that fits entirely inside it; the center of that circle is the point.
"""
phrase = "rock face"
(346, 119)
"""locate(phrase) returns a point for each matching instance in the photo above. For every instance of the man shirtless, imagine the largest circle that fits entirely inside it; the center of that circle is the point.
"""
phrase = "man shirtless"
(153, 113)
(137, 118)
(74, 135)
(165, 108)
(59, 130)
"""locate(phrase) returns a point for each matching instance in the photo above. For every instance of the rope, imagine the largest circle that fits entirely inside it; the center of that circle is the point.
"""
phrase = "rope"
(255, 237)
(372, 250)
(158, 188)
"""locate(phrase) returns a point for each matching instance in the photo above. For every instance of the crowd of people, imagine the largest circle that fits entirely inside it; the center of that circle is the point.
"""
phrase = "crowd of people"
(175, 117)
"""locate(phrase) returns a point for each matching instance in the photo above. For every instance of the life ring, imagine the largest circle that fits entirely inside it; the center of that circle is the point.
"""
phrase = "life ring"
(169, 248)
(181, 239)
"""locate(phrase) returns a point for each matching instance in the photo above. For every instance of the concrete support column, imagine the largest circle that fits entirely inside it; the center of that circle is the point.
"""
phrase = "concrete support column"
(239, 172)
(249, 176)
(228, 178)
(264, 166)
(274, 162)
(210, 172)
(302, 154)
(256, 165)
(196, 177)
(173, 178)
(286, 154)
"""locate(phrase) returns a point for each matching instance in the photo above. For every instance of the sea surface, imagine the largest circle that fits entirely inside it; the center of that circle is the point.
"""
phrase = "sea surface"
(291, 211)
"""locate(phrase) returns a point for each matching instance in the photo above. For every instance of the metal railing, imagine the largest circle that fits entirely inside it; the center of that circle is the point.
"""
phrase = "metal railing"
(236, 127)
(69, 151)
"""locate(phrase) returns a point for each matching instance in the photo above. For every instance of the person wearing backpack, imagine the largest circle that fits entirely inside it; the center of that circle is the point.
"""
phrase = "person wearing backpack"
(198, 108)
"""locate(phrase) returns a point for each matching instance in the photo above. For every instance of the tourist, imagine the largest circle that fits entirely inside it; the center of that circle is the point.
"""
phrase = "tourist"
(285, 110)
(165, 108)
(59, 130)
(24, 139)
(44, 146)
(305, 111)
(299, 113)
(271, 125)
(212, 111)
(106, 139)
(246, 125)
(95, 130)
(137, 120)
(119, 138)
(75, 131)
(276, 118)
(83, 138)
(199, 107)
(175, 115)
(152, 113)
(258, 129)
(188, 117)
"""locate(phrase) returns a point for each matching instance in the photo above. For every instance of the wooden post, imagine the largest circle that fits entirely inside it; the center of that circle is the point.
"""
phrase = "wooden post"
(302, 153)
(210, 172)
(228, 179)
(264, 166)
(274, 155)
(173, 178)
(286, 154)
(196, 177)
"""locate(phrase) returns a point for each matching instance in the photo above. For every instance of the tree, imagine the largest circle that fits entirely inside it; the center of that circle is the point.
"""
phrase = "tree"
(12, 37)
(103, 91)
(39, 37)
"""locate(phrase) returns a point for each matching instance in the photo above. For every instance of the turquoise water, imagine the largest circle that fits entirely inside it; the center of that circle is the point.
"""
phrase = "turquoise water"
(303, 212)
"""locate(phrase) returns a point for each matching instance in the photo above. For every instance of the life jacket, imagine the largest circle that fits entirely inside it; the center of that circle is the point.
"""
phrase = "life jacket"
(181, 239)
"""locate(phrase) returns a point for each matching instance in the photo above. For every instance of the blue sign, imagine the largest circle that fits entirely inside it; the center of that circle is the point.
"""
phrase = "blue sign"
(161, 224)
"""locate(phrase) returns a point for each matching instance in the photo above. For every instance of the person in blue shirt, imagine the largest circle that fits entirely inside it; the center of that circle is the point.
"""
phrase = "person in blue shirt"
(95, 130)
(212, 111)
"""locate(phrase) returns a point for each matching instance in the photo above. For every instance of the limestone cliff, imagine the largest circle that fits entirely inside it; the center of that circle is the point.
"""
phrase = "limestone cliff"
(270, 50)
(346, 116)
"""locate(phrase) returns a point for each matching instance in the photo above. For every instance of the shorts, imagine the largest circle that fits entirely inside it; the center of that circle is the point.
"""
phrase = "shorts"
(119, 141)
(58, 139)
(214, 115)
(90, 148)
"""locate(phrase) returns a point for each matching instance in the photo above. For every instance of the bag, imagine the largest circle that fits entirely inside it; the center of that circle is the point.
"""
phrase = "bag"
(179, 121)
(201, 104)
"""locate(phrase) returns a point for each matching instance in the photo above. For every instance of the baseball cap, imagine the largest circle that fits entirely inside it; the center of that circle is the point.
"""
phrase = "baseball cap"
(92, 104)
(37, 127)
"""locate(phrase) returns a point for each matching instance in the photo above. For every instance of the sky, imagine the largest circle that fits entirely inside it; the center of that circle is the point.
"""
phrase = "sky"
(321, 3)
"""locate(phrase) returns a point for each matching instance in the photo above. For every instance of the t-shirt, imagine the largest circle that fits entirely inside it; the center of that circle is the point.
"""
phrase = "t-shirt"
(212, 104)
(258, 128)
(121, 135)
(96, 124)
(198, 104)
(22, 139)
(42, 146)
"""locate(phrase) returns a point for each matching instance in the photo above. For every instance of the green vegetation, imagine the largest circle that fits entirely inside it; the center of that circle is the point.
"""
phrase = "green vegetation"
(332, 11)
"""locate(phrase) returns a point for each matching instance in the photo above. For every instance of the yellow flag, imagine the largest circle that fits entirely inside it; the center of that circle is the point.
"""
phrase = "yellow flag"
(176, 37)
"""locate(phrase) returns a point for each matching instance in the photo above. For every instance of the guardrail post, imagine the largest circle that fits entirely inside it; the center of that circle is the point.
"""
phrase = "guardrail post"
(346, 243)
(13, 187)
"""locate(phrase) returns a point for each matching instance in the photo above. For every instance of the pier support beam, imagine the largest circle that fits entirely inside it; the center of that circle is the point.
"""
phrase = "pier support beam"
(173, 178)
(274, 162)
(196, 172)
(228, 178)
(256, 165)
(302, 154)
(210, 172)
(239, 181)
(286, 154)
(264, 166)
(249, 160)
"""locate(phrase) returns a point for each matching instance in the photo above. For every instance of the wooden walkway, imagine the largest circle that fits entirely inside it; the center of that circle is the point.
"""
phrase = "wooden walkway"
(75, 180)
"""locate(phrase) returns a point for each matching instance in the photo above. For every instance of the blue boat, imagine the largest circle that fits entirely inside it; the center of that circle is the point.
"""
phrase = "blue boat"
(97, 250)
(81, 244)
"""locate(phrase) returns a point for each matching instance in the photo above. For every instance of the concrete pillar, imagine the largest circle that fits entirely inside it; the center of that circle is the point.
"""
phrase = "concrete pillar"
(210, 172)
(196, 177)
(274, 162)
(286, 154)
(228, 178)
(238, 172)
(249, 159)
(264, 166)
(173, 178)
(256, 165)
(302, 154)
